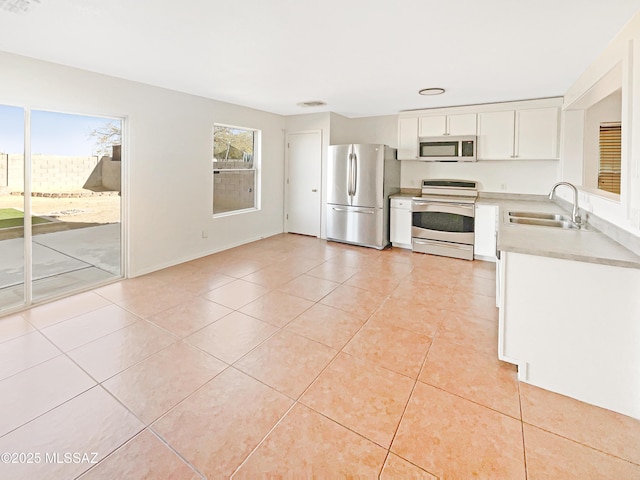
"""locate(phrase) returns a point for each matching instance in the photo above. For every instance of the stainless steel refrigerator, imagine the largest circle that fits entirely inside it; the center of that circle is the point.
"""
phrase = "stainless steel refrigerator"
(360, 179)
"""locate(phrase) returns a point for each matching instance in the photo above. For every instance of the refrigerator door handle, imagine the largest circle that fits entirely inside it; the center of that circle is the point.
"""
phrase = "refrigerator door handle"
(355, 173)
(350, 179)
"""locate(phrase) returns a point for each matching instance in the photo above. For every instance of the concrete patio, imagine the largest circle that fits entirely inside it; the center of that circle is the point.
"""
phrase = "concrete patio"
(62, 261)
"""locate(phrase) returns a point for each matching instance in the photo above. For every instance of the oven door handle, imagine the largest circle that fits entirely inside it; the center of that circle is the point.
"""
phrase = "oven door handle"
(465, 209)
(431, 202)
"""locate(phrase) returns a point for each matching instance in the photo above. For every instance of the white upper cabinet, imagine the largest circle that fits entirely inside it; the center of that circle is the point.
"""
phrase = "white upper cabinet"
(538, 133)
(438, 125)
(522, 130)
(527, 134)
(496, 135)
(432, 126)
(462, 124)
(408, 138)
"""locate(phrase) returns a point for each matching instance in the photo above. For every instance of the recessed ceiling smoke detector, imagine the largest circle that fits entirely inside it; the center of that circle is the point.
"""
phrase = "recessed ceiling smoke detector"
(431, 91)
(312, 103)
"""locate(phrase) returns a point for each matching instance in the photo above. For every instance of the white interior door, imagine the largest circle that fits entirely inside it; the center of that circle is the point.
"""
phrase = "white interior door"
(304, 169)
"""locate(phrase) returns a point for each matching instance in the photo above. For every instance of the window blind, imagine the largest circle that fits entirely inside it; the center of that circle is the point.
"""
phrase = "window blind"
(610, 155)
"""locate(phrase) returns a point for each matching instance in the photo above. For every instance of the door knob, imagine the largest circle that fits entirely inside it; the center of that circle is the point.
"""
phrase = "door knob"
(314, 189)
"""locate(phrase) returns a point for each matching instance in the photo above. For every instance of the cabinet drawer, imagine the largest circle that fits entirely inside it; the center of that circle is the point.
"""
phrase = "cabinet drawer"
(401, 203)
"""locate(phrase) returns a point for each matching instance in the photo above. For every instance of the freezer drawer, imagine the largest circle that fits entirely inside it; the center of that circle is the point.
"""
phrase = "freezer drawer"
(357, 225)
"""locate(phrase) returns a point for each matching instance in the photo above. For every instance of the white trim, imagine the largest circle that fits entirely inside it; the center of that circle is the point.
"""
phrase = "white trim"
(234, 212)
(27, 207)
(485, 107)
(26, 224)
(257, 169)
(286, 177)
(125, 213)
(206, 253)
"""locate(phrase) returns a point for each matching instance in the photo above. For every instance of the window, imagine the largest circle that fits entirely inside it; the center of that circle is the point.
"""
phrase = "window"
(610, 155)
(235, 176)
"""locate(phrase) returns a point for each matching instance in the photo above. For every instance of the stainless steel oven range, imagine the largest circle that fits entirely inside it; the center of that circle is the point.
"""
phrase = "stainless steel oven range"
(442, 219)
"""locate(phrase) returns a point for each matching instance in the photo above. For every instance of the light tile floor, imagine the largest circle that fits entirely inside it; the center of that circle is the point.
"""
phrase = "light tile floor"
(290, 357)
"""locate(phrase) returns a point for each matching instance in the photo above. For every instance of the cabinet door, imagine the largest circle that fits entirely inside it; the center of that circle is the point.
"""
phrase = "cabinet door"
(537, 137)
(496, 135)
(408, 138)
(433, 126)
(485, 232)
(462, 124)
(400, 228)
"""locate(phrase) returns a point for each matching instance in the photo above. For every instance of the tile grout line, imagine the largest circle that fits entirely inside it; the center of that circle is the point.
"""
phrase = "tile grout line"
(178, 454)
(524, 443)
(264, 439)
(406, 406)
(297, 400)
(572, 440)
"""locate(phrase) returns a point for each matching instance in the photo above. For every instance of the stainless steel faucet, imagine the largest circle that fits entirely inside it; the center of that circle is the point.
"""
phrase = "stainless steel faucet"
(575, 217)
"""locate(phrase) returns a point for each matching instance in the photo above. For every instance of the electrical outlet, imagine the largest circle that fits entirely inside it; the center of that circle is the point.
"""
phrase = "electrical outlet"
(503, 186)
(205, 234)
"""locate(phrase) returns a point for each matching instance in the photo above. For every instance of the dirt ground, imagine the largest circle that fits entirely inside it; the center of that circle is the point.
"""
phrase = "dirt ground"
(94, 209)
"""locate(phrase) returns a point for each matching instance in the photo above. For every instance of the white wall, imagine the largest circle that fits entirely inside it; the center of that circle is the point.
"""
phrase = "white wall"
(168, 149)
(608, 109)
(340, 133)
(505, 176)
(623, 54)
(380, 129)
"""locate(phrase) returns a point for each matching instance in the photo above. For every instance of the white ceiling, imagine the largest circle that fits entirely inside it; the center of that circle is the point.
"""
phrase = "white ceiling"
(362, 57)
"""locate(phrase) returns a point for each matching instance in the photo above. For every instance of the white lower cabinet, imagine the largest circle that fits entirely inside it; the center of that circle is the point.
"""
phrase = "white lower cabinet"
(572, 328)
(400, 222)
(484, 247)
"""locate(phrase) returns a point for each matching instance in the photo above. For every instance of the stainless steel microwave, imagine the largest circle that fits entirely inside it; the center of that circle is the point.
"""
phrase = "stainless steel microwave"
(447, 148)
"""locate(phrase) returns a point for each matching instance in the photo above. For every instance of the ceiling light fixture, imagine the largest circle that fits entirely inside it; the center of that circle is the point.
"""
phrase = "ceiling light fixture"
(312, 103)
(431, 91)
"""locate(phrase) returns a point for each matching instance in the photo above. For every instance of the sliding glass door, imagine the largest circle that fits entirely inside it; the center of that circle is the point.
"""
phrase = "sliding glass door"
(70, 186)
(12, 207)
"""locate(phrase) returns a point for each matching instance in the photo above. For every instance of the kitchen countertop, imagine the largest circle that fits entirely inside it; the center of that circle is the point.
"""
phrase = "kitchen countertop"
(406, 194)
(588, 245)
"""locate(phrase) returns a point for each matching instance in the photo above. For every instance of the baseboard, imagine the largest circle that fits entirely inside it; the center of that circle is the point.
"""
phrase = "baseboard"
(189, 258)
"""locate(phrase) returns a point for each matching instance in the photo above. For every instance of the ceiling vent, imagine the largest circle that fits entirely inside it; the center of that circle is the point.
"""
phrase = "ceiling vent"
(312, 103)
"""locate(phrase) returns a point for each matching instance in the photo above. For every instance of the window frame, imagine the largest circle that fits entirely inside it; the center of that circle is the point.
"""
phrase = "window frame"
(257, 161)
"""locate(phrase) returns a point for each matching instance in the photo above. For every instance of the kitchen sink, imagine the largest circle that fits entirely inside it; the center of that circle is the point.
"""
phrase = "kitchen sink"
(544, 222)
(541, 216)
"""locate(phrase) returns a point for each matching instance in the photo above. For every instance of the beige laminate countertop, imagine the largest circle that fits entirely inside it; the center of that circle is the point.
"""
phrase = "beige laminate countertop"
(404, 195)
(588, 245)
